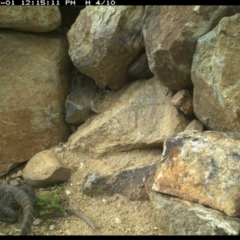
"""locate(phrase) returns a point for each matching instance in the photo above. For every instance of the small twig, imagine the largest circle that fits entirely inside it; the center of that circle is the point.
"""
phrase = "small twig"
(81, 216)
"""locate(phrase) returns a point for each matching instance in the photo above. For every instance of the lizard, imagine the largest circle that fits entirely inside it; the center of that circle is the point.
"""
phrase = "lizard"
(25, 197)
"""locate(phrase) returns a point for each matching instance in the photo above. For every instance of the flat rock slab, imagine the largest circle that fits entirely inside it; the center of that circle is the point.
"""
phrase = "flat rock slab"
(202, 167)
(175, 216)
(130, 183)
(142, 117)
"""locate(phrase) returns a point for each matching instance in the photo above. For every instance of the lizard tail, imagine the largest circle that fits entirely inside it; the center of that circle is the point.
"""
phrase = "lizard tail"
(23, 199)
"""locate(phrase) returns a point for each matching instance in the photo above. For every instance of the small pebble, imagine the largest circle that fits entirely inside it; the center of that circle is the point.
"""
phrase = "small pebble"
(117, 220)
(51, 227)
(18, 179)
(37, 221)
(58, 149)
(81, 165)
(68, 192)
(13, 182)
(13, 175)
(19, 173)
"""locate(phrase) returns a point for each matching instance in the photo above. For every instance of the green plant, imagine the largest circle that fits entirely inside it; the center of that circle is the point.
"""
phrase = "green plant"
(50, 205)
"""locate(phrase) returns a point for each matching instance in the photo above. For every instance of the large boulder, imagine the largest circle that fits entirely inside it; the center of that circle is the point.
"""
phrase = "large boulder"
(141, 117)
(104, 40)
(33, 82)
(170, 35)
(216, 74)
(175, 216)
(202, 167)
(30, 18)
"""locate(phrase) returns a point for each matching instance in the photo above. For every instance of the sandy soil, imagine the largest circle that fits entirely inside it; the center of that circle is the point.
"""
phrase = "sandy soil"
(112, 215)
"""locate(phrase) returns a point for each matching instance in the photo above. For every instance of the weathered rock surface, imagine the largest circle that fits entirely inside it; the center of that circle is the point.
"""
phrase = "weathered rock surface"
(183, 101)
(170, 35)
(80, 102)
(142, 117)
(175, 216)
(33, 88)
(108, 39)
(130, 182)
(139, 69)
(202, 167)
(45, 169)
(30, 18)
(216, 74)
(195, 125)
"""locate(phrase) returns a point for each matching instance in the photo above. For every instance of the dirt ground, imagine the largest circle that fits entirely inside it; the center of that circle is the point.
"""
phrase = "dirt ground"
(112, 215)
